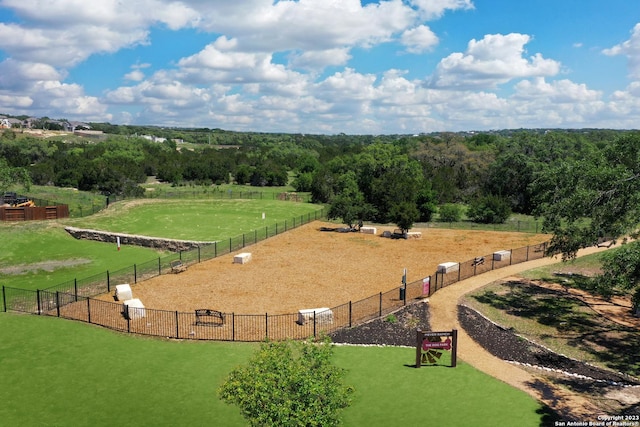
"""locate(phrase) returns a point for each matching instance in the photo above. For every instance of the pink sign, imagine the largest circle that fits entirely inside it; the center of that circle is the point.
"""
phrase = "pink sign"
(428, 345)
(426, 285)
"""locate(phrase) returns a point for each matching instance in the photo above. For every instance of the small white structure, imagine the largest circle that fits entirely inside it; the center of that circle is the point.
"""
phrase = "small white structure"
(242, 258)
(133, 309)
(123, 292)
(448, 267)
(322, 315)
(368, 230)
(501, 255)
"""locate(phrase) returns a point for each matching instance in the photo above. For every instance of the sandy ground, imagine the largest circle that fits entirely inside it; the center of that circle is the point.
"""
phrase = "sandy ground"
(306, 268)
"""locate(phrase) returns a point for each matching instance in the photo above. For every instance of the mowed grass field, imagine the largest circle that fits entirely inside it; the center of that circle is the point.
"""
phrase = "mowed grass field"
(55, 372)
(38, 255)
(203, 220)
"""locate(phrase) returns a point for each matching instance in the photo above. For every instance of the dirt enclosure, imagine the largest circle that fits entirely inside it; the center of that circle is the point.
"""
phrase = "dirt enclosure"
(307, 268)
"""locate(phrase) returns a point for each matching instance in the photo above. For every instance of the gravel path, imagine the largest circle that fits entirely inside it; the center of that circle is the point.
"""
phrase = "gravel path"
(486, 346)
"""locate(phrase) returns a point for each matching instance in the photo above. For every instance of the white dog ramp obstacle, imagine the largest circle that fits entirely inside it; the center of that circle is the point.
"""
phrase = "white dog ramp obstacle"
(448, 267)
(123, 292)
(321, 315)
(501, 255)
(242, 258)
(133, 309)
(368, 230)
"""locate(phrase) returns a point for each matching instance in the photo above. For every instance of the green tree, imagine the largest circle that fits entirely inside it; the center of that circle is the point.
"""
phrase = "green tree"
(349, 204)
(289, 383)
(489, 210)
(621, 270)
(10, 176)
(450, 212)
(585, 199)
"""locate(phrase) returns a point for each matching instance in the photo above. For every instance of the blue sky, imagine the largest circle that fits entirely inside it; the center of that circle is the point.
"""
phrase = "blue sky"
(324, 66)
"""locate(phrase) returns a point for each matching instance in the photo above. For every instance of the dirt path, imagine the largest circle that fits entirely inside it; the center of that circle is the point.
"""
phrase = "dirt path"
(443, 312)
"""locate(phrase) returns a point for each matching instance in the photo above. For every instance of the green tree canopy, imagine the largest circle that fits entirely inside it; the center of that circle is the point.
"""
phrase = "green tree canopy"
(594, 197)
(289, 383)
(10, 176)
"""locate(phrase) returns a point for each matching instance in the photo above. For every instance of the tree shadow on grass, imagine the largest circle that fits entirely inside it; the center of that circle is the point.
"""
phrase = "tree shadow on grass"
(618, 347)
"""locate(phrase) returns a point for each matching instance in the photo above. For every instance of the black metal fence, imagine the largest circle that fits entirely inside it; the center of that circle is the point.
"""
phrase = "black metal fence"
(73, 300)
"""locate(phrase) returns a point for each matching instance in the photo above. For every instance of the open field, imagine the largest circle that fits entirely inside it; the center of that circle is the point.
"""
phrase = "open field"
(38, 255)
(307, 268)
(58, 372)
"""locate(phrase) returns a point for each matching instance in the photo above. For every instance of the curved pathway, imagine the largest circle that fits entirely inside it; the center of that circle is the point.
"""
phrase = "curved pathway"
(443, 313)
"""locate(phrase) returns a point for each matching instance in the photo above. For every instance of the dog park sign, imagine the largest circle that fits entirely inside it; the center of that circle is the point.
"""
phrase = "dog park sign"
(430, 346)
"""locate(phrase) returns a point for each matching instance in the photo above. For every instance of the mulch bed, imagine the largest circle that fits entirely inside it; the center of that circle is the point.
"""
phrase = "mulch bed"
(396, 330)
(502, 343)
(508, 346)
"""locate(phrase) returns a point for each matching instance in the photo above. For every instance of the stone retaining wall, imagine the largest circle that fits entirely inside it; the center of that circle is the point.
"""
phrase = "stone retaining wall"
(130, 239)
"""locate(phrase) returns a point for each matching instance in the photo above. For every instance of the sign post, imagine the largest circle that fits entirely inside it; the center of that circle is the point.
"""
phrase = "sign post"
(429, 346)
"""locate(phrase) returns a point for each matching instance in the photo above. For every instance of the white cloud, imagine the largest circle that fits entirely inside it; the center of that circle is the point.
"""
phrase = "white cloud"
(630, 49)
(419, 39)
(432, 9)
(306, 24)
(559, 91)
(319, 59)
(494, 60)
(135, 75)
(16, 75)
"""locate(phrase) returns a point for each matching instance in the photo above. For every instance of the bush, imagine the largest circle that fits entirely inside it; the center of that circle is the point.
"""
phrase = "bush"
(289, 383)
(450, 212)
(489, 210)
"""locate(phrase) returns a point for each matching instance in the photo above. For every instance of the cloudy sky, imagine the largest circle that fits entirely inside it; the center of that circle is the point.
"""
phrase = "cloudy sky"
(324, 66)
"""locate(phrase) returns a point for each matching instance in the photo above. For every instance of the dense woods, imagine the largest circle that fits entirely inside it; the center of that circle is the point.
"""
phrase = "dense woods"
(385, 178)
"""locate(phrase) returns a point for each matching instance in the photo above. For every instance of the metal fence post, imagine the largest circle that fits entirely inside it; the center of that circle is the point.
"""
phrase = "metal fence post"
(177, 326)
(4, 300)
(58, 303)
(89, 310)
(38, 296)
(75, 289)
(380, 309)
(266, 326)
(108, 282)
(233, 326)
(314, 323)
(350, 313)
(135, 274)
(159, 267)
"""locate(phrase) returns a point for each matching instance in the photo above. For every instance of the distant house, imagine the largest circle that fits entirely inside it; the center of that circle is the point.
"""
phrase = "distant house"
(29, 122)
(74, 126)
(153, 138)
(15, 123)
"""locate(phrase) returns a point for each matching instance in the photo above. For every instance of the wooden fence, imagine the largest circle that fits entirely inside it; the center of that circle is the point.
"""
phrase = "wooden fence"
(31, 213)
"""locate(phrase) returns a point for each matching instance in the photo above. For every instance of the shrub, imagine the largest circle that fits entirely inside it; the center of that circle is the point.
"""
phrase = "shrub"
(450, 212)
(289, 383)
(489, 210)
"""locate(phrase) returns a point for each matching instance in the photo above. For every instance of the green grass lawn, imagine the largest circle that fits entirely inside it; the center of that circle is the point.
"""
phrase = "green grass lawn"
(38, 255)
(204, 220)
(59, 372)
